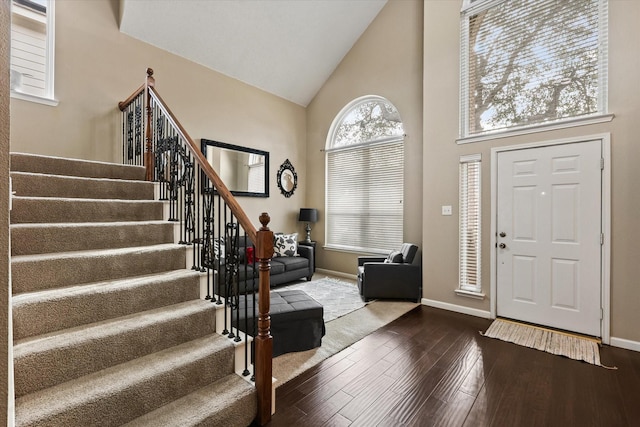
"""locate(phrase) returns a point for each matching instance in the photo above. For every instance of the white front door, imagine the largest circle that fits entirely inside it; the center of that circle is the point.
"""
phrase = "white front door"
(549, 212)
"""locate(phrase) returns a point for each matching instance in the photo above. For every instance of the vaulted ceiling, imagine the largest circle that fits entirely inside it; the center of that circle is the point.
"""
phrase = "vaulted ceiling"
(286, 47)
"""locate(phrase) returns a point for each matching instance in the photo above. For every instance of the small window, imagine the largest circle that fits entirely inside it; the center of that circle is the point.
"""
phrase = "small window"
(32, 49)
(365, 177)
(470, 224)
(530, 63)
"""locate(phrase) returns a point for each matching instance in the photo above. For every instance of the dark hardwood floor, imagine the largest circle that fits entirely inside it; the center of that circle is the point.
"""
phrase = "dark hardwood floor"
(432, 368)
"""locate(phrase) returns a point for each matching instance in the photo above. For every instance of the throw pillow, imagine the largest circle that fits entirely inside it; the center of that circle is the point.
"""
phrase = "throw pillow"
(249, 254)
(394, 257)
(218, 248)
(285, 244)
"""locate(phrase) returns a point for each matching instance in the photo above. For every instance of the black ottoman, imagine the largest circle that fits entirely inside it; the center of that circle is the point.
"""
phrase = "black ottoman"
(297, 322)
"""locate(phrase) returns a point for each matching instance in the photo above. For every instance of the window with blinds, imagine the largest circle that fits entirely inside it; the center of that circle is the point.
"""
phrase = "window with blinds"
(32, 48)
(365, 178)
(526, 63)
(470, 223)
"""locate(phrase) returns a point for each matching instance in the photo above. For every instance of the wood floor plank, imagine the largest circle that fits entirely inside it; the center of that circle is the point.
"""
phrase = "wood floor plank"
(366, 398)
(445, 414)
(431, 367)
(378, 410)
(320, 414)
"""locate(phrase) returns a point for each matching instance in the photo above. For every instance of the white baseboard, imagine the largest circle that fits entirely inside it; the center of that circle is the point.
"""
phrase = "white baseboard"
(457, 308)
(337, 273)
(626, 344)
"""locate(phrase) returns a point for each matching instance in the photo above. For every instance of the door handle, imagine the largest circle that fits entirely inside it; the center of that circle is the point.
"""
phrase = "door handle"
(502, 246)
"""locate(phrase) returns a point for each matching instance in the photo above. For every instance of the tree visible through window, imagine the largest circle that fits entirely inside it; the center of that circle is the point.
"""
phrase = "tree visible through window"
(531, 62)
(365, 177)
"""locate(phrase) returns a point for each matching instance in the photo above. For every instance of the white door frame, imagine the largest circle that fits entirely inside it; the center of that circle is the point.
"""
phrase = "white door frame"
(605, 250)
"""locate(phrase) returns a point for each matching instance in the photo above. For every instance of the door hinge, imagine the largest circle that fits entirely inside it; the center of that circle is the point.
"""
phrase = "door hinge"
(602, 238)
(601, 313)
(601, 163)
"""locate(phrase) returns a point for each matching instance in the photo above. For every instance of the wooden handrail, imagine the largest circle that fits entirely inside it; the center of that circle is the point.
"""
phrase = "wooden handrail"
(206, 167)
(122, 105)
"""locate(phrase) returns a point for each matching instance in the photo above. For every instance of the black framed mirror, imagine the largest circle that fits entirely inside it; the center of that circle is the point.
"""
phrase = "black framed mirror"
(245, 171)
(287, 179)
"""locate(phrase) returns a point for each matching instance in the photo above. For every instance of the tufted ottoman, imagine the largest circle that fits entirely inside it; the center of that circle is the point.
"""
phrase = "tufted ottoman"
(296, 321)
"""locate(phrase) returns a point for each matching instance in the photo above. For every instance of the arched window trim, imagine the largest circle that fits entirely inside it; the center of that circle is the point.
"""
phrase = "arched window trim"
(339, 119)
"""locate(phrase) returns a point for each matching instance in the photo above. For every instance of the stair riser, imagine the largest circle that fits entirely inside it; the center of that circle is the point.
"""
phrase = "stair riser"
(78, 359)
(38, 185)
(66, 238)
(231, 398)
(126, 398)
(27, 210)
(30, 275)
(60, 166)
(48, 315)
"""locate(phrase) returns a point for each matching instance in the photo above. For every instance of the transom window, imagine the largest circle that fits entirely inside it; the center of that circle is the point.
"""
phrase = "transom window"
(528, 63)
(365, 177)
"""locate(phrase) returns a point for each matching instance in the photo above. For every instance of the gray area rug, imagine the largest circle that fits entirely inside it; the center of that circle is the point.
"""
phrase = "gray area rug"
(338, 297)
(555, 342)
(341, 333)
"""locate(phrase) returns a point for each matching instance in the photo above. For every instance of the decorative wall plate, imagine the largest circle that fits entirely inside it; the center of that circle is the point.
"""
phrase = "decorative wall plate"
(287, 179)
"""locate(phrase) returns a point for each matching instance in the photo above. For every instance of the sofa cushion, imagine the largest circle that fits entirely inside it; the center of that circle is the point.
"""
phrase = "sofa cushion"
(292, 262)
(276, 267)
(394, 257)
(285, 244)
(408, 252)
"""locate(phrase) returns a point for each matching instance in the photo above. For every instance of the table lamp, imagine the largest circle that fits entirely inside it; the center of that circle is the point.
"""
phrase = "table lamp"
(308, 215)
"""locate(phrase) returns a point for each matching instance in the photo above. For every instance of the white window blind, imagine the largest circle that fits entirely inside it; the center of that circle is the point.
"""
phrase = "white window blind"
(32, 49)
(470, 223)
(364, 206)
(527, 63)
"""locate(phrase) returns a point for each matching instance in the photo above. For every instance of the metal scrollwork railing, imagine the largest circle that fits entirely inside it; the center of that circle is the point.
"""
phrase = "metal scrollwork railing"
(226, 247)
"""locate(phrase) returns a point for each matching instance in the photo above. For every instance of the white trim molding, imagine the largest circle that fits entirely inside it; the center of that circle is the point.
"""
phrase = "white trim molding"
(626, 344)
(337, 273)
(457, 308)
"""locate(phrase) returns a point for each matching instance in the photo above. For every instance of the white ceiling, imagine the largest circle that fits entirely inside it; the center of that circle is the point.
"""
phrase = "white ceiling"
(286, 47)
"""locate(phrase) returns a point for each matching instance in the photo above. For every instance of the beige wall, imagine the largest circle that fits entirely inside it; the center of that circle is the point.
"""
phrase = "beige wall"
(5, 298)
(97, 66)
(385, 61)
(441, 156)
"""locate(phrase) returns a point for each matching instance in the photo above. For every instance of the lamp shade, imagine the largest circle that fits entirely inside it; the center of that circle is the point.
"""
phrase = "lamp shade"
(308, 215)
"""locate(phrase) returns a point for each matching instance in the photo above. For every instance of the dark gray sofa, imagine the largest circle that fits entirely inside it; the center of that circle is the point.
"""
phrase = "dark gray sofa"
(284, 269)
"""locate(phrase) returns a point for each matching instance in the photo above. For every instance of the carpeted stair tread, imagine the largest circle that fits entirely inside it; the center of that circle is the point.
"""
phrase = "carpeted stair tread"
(43, 185)
(50, 310)
(72, 353)
(38, 238)
(23, 162)
(44, 271)
(229, 402)
(64, 210)
(124, 392)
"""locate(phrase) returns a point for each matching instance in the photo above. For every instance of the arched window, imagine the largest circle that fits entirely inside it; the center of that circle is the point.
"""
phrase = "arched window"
(365, 177)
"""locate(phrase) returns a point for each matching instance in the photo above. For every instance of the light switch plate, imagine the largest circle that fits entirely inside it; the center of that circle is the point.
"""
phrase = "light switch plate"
(446, 210)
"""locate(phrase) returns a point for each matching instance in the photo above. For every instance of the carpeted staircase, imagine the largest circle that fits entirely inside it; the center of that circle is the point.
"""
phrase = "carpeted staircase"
(108, 325)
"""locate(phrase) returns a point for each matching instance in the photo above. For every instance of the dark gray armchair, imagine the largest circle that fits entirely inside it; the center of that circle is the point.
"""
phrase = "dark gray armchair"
(396, 276)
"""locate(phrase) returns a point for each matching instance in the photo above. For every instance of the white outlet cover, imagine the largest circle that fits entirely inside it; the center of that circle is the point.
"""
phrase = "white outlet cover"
(446, 210)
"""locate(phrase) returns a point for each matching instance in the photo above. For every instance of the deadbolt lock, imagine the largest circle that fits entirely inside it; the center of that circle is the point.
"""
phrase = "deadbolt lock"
(503, 234)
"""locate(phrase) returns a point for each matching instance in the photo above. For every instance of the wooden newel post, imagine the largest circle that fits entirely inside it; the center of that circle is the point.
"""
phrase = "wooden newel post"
(264, 341)
(148, 155)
